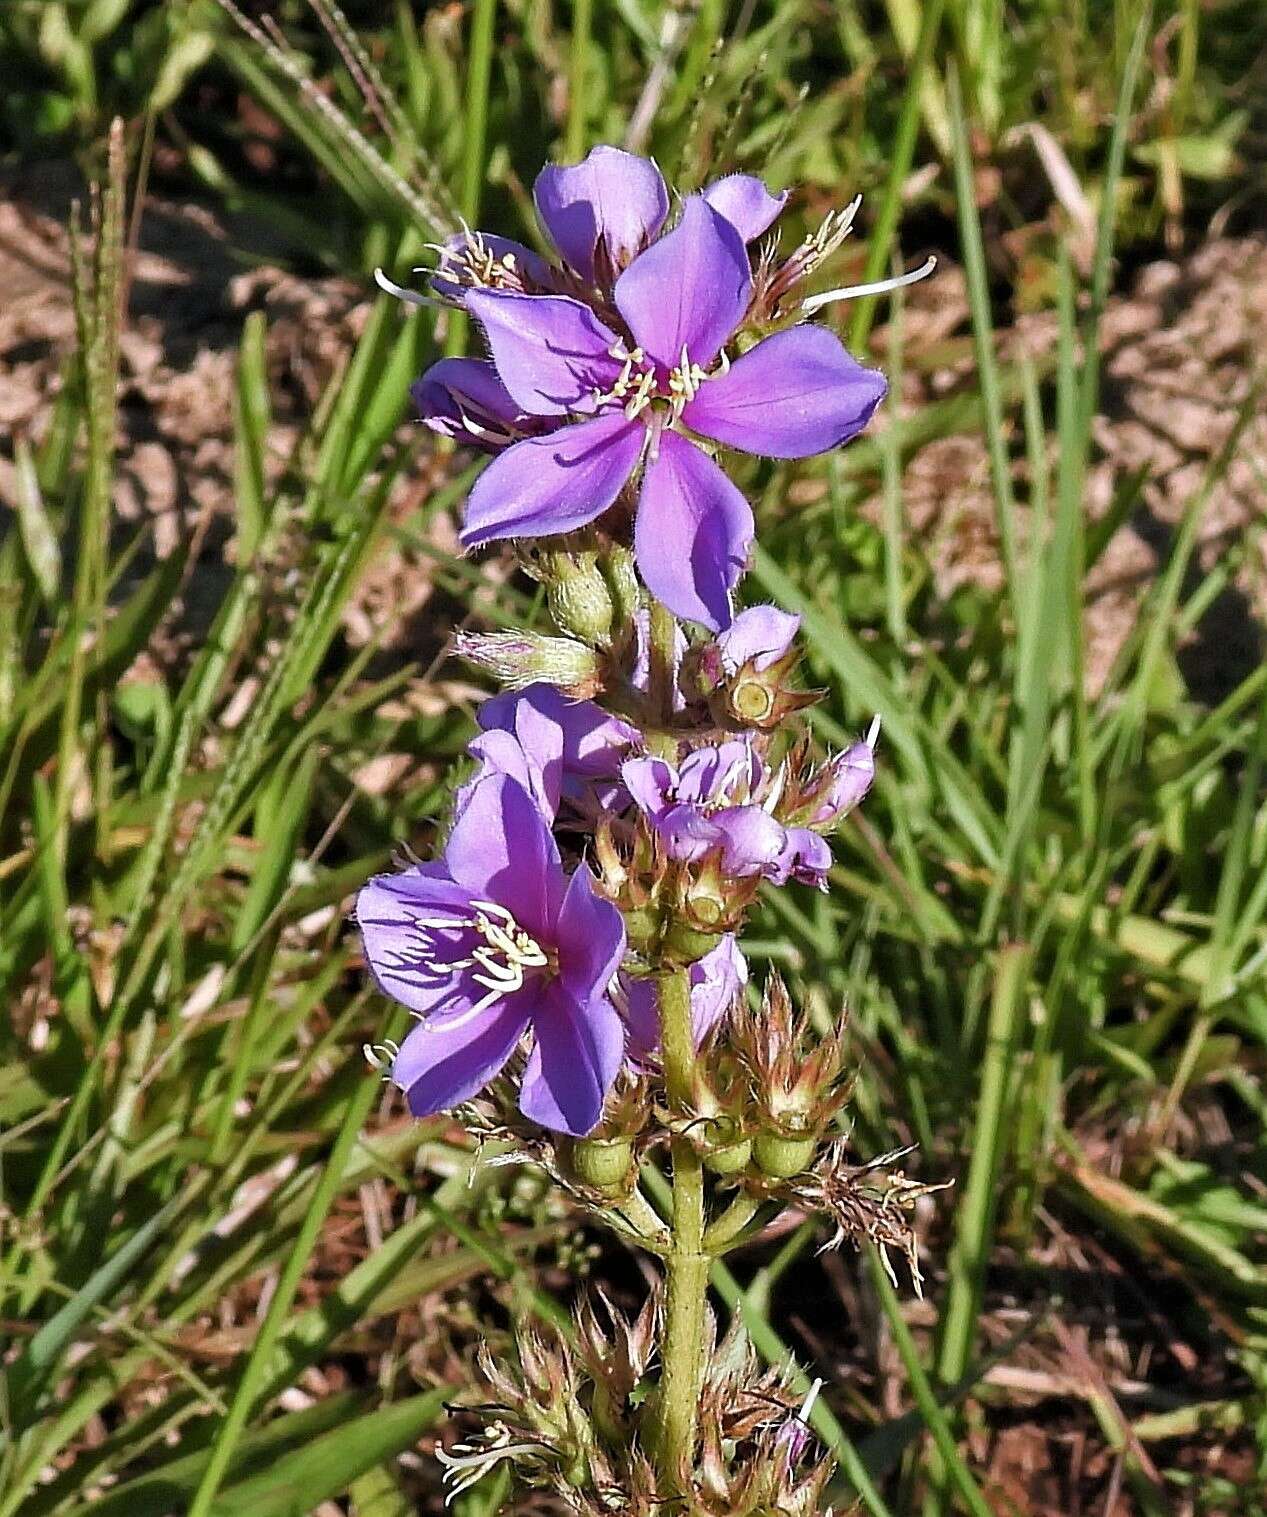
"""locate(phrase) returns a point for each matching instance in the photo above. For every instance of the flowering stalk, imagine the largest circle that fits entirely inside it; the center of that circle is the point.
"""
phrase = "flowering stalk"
(572, 954)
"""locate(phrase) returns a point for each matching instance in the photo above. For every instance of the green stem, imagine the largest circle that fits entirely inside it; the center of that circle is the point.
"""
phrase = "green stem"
(682, 1347)
(723, 1233)
(581, 25)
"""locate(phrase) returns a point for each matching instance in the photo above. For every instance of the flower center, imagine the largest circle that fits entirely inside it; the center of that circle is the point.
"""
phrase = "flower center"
(475, 265)
(507, 952)
(639, 385)
(502, 958)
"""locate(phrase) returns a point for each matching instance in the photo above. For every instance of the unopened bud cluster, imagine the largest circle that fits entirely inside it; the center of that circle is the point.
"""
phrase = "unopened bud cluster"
(573, 1413)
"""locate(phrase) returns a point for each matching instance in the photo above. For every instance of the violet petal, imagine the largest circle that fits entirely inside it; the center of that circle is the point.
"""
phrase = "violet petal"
(759, 635)
(447, 1059)
(501, 849)
(550, 352)
(693, 531)
(689, 290)
(463, 398)
(611, 197)
(554, 483)
(797, 393)
(388, 910)
(577, 1054)
(746, 203)
(591, 938)
(753, 839)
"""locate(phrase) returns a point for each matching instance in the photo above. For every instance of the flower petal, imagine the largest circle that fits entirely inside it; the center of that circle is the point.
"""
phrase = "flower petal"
(693, 532)
(717, 981)
(686, 833)
(576, 1057)
(389, 909)
(650, 782)
(612, 198)
(463, 398)
(594, 742)
(753, 839)
(537, 769)
(446, 1059)
(590, 937)
(746, 203)
(640, 1005)
(759, 635)
(794, 394)
(711, 773)
(806, 859)
(554, 483)
(689, 290)
(501, 849)
(550, 352)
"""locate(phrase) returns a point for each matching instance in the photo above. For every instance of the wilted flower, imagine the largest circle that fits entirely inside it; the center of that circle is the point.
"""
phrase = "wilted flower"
(745, 673)
(760, 636)
(491, 942)
(614, 356)
(868, 1202)
(558, 749)
(717, 981)
(720, 798)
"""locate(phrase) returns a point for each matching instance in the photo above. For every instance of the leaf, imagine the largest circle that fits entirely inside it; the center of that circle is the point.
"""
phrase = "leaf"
(39, 541)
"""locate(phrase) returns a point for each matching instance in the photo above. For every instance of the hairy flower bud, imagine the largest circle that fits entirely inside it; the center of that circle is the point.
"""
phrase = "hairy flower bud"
(580, 599)
(830, 794)
(798, 1081)
(617, 566)
(605, 1164)
(519, 659)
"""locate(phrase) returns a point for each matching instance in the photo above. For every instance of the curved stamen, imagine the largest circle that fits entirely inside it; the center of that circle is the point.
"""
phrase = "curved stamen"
(410, 297)
(879, 287)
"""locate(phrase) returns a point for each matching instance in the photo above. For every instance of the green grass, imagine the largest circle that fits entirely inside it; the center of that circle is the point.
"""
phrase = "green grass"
(1049, 924)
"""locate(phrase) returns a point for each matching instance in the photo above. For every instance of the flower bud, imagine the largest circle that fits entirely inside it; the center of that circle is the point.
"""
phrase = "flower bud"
(522, 658)
(841, 783)
(724, 1148)
(782, 1158)
(579, 597)
(604, 1164)
(745, 674)
(617, 566)
(684, 944)
(580, 601)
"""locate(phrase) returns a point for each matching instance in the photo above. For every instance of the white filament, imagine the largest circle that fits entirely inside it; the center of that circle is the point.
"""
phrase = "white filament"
(879, 287)
(410, 297)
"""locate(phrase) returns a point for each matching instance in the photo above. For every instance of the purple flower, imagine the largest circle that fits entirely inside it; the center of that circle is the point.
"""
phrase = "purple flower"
(719, 798)
(557, 749)
(489, 943)
(613, 393)
(760, 636)
(717, 980)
